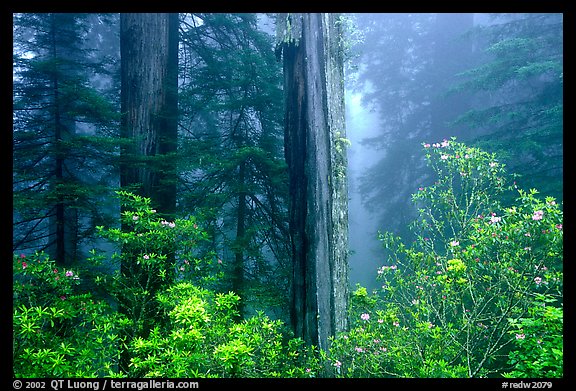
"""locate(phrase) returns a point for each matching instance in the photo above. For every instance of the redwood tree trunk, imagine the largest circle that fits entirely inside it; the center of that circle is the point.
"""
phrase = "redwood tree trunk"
(149, 62)
(149, 71)
(316, 158)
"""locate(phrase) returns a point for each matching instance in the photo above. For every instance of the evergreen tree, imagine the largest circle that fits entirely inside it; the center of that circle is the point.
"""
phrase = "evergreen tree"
(59, 165)
(496, 85)
(233, 171)
(407, 63)
(518, 86)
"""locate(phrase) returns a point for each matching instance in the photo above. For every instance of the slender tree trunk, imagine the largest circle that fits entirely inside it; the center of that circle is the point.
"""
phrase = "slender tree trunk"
(238, 274)
(316, 157)
(60, 253)
(63, 225)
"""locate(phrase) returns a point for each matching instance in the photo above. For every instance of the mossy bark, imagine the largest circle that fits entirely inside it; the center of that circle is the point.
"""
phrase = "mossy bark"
(314, 125)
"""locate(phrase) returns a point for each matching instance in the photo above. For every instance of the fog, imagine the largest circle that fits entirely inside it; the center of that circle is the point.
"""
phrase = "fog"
(365, 250)
(492, 81)
(489, 80)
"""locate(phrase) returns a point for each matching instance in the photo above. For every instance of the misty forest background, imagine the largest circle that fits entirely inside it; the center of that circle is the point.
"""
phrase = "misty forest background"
(492, 81)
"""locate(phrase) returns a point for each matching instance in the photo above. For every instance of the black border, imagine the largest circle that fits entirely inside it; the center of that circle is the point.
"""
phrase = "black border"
(377, 6)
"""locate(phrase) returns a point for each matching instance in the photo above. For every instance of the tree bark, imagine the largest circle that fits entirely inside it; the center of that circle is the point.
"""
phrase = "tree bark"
(316, 158)
(238, 280)
(149, 100)
(149, 71)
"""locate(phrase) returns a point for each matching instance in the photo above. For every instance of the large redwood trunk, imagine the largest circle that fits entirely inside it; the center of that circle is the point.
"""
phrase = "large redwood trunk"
(149, 55)
(316, 157)
(149, 62)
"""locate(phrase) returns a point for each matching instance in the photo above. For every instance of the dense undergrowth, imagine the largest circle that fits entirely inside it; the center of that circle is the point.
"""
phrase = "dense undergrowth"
(477, 293)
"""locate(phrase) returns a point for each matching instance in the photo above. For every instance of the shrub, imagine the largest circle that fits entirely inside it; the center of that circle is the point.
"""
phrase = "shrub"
(202, 337)
(151, 255)
(453, 300)
(59, 331)
(178, 324)
(538, 341)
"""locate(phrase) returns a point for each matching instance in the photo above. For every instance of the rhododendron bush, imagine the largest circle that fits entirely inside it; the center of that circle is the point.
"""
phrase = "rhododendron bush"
(478, 293)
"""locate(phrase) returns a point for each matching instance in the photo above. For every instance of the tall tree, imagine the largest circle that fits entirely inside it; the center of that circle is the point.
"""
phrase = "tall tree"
(409, 62)
(149, 105)
(57, 111)
(316, 157)
(494, 81)
(234, 173)
(149, 80)
(518, 90)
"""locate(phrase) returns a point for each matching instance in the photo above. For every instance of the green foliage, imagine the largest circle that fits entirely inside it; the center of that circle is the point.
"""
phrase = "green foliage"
(57, 158)
(180, 330)
(234, 170)
(152, 253)
(454, 301)
(522, 70)
(59, 331)
(478, 293)
(538, 340)
(201, 337)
